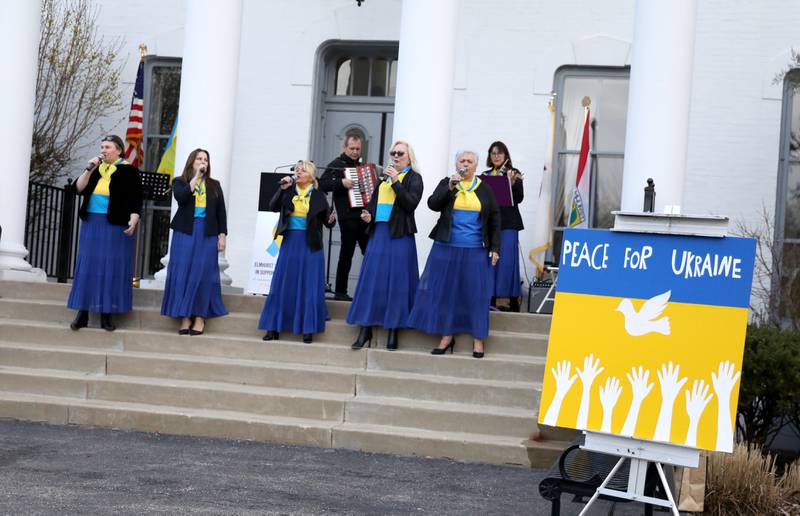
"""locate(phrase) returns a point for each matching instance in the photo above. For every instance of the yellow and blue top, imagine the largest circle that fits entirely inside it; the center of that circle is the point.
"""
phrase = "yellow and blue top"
(98, 201)
(301, 200)
(200, 200)
(467, 230)
(386, 197)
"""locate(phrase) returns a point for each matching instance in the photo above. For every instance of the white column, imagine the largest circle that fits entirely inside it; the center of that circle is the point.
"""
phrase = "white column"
(423, 104)
(658, 102)
(209, 76)
(19, 41)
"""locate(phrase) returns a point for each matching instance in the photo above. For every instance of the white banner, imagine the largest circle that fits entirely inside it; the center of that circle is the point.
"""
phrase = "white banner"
(265, 253)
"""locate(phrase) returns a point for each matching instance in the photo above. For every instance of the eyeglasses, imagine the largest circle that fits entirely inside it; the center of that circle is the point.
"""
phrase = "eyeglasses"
(496, 153)
(397, 153)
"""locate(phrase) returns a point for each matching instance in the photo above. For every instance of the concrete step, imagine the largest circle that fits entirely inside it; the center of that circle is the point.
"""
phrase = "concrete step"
(164, 419)
(391, 384)
(459, 446)
(470, 447)
(442, 417)
(336, 331)
(197, 395)
(248, 303)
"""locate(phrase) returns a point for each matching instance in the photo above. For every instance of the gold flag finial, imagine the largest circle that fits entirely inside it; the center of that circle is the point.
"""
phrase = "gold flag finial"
(586, 101)
(142, 50)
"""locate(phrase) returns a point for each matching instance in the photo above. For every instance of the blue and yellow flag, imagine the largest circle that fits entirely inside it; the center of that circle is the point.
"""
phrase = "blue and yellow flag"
(167, 164)
(647, 336)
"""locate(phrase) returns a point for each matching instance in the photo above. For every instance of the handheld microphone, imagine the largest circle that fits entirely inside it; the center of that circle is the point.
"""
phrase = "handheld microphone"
(99, 160)
(461, 172)
(287, 180)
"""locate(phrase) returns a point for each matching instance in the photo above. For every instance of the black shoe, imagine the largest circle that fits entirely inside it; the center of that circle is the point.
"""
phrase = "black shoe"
(477, 354)
(106, 323)
(513, 304)
(339, 296)
(391, 340)
(194, 332)
(364, 337)
(81, 320)
(307, 338)
(271, 335)
(183, 331)
(442, 351)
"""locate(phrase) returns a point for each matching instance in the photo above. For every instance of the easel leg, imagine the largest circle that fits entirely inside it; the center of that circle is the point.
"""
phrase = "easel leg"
(666, 489)
(606, 481)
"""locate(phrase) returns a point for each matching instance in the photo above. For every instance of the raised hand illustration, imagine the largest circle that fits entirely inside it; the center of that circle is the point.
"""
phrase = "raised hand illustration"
(609, 395)
(723, 382)
(696, 400)
(646, 319)
(670, 387)
(641, 389)
(563, 384)
(591, 368)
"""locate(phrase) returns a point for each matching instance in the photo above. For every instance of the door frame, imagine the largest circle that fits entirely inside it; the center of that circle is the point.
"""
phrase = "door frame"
(324, 100)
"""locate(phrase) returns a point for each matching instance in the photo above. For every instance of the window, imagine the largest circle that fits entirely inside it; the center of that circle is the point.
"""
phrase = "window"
(607, 88)
(363, 76)
(786, 279)
(162, 90)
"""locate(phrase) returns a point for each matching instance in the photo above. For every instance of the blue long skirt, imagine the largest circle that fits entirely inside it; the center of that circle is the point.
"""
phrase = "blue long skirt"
(103, 279)
(388, 281)
(296, 299)
(193, 287)
(454, 292)
(506, 272)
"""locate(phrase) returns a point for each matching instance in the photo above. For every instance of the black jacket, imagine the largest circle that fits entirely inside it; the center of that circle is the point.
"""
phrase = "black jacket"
(318, 212)
(509, 215)
(216, 218)
(125, 194)
(408, 194)
(443, 199)
(331, 181)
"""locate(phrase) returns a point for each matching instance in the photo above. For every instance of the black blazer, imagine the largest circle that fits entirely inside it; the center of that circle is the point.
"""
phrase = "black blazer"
(125, 194)
(443, 199)
(216, 218)
(509, 215)
(408, 194)
(331, 181)
(318, 212)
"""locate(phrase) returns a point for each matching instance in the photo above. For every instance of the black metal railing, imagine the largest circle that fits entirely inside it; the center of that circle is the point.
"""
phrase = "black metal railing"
(51, 229)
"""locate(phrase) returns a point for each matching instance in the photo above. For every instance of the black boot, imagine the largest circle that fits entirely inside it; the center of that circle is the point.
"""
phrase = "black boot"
(513, 304)
(271, 335)
(308, 338)
(81, 320)
(364, 337)
(106, 323)
(391, 340)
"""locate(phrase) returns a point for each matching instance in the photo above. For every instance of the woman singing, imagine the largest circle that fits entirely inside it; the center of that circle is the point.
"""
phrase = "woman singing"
(111, 192)
(389, 275)
(506, 274)
(296, 299)
(193, 292)
(456, 286)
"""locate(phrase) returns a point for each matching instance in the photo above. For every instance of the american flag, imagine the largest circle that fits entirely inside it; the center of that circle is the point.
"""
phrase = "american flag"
(133, 136)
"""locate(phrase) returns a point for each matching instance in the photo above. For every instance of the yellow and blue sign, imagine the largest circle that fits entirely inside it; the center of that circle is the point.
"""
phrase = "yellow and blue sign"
(647, 336)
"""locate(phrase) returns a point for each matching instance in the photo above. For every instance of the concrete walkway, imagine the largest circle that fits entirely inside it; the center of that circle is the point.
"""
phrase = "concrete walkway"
(69, 470)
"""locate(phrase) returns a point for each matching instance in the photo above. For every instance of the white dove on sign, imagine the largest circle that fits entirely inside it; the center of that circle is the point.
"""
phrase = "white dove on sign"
(645, 320)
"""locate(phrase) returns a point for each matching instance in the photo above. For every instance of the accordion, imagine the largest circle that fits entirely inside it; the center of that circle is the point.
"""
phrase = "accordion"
(364, 179)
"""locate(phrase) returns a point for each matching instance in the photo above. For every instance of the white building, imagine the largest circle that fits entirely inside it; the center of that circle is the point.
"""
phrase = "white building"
(290, 77)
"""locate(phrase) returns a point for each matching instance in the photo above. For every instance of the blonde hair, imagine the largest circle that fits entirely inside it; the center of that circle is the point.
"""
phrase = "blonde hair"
(310, 168)
(411, 156)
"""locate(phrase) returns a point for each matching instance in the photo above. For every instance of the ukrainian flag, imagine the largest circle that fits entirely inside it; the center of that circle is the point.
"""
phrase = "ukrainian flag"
(167, 164)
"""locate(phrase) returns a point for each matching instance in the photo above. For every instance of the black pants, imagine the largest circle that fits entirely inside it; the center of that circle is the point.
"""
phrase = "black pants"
(353, 231)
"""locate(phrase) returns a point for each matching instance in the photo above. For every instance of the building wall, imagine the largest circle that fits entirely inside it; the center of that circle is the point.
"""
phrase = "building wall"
(507, 57)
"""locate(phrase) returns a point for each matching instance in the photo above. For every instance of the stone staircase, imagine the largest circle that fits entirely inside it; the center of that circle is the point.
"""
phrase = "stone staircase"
(229, 383)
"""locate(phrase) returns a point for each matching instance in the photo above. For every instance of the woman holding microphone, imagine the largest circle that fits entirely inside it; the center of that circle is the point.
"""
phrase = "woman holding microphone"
(456, 286)
(193, 292)
(111, 203)
(296, 299)
(389, 276)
